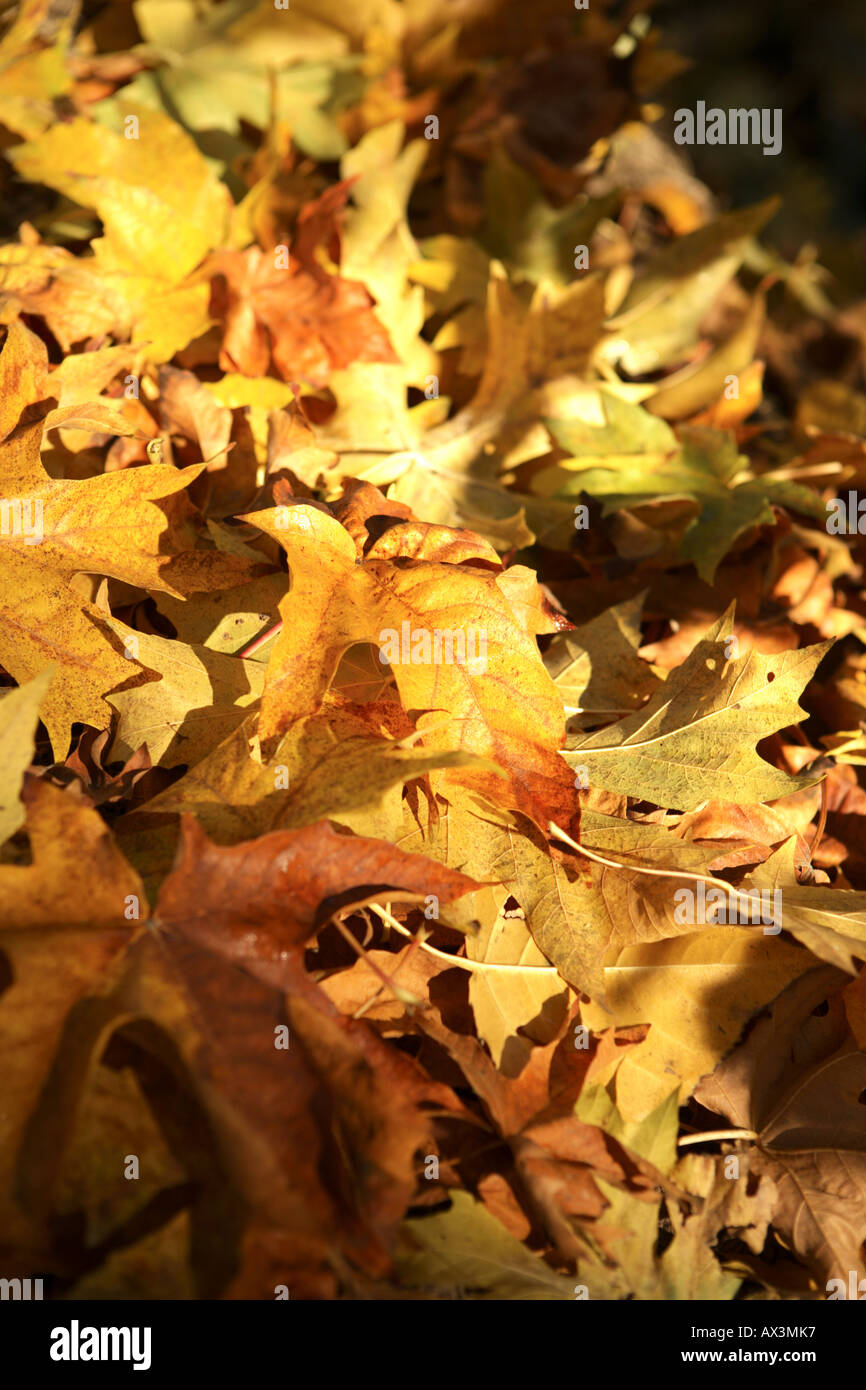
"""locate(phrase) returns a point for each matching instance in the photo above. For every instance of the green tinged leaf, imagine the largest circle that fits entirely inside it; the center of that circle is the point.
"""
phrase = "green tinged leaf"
(466, 1251)
(695, 739)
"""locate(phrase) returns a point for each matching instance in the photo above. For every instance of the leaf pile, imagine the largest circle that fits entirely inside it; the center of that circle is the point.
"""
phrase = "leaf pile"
(423, 645)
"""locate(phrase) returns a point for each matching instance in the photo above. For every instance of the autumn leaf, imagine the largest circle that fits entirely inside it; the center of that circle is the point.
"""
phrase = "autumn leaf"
(695, 738)
(830, 923)
(20, 710)
(308, 324)
(226, 59)
(523, 1001)
(283, 882)
(343, 762)
(668, 983)
(466, 1250)
(157, 231)
(78, 889)
(199, 697)
(462, 701)
(633, 460)
(660, 315)
(597, 669)
(67, 528)
(810, 1135)
(33, 73)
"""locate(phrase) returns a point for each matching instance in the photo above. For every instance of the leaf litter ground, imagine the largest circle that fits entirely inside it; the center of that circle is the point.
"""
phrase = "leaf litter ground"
(433, 677)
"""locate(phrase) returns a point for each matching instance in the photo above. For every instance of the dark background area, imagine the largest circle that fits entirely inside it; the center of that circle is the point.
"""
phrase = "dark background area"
(808, 58)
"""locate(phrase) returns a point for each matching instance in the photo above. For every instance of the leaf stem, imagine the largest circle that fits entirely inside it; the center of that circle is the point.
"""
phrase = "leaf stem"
(714, 1134)
(822, 821)
(359, 950)
(643, 869)
(260, 641)
(481, 966)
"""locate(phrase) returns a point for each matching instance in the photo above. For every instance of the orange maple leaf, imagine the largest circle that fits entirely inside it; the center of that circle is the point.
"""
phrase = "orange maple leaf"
(306, 322)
